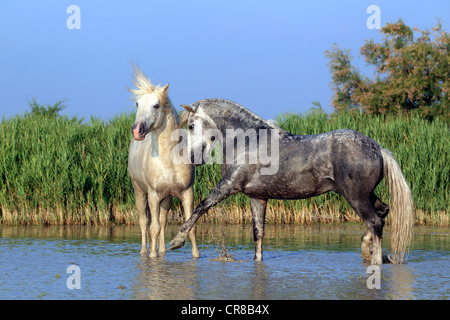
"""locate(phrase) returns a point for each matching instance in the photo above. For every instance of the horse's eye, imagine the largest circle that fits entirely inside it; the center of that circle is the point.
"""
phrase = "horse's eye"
(190, 127)
(156, 106)
(213, 138)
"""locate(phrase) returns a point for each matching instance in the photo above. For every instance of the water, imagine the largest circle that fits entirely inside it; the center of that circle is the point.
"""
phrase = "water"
(300, 262)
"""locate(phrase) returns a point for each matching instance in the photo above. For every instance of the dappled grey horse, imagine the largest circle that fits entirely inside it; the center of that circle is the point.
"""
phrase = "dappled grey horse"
(300, 166)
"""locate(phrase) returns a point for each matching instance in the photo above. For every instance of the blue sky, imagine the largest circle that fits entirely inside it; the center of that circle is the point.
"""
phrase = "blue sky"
(265, 55)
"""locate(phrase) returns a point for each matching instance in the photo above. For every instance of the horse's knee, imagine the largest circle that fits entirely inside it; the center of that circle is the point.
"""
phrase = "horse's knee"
(258, 234)
(155, 229)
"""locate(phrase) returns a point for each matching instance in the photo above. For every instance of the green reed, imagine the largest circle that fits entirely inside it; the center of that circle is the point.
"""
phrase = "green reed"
(59, 170)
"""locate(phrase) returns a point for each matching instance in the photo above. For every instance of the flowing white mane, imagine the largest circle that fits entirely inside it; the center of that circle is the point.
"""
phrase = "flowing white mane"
(144, 86)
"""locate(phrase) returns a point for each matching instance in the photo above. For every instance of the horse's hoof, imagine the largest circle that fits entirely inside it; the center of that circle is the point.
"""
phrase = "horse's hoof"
(176, 244)
(257, 258)
(387, 259)
(195, 254)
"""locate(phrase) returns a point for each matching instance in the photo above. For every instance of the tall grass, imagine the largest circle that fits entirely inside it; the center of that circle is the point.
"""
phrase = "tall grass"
(58, 170)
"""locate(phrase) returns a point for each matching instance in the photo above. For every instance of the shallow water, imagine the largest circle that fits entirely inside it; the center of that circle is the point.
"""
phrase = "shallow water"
(300, 262)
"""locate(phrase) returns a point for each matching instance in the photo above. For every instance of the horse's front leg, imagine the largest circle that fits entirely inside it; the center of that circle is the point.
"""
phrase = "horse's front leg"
(164, 209)
(155, 227)
(220, 192)
(259, 215)
(141, 207)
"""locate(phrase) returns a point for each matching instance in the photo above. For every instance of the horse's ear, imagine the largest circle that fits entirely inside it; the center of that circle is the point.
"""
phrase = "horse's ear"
(183, 119)
(188, 108)
(185, 115)
(166, 87)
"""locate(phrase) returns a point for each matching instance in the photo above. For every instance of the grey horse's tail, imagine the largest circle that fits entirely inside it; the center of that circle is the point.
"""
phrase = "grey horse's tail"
(401, 208)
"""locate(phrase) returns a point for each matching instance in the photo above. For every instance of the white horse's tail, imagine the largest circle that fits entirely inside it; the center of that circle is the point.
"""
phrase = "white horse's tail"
(401, 208)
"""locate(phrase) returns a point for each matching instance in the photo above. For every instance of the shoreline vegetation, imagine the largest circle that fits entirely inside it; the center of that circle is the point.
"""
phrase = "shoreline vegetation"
(57, 170)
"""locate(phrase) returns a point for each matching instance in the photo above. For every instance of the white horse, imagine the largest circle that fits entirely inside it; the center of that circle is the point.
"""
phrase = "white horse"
(155, 177)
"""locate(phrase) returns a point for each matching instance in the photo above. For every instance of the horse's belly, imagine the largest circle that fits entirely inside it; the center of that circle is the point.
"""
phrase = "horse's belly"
(295, 186)
(286, 193)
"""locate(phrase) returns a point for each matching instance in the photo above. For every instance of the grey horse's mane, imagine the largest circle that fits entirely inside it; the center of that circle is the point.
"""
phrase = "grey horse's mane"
(236, 109)
(243, 110)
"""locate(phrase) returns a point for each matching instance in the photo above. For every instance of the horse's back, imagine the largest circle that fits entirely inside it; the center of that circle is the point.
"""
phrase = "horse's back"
(314, 164)
(345, 142)
(346, 157)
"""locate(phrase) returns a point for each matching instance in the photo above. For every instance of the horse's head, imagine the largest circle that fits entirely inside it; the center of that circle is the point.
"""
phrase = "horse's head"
(151, 111)
(202, 133)
(152, 105)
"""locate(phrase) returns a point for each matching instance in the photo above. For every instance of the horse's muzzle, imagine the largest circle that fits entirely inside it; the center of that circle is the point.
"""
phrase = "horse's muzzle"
(198, 160)
(140, 130)
(194, 162)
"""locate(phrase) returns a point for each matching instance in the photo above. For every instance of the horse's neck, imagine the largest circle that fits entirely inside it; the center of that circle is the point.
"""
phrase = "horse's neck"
(163, 136)
(225, 122)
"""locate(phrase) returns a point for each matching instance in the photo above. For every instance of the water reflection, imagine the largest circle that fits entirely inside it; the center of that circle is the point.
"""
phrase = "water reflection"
(260, 281)
(400, 279)
(161, 279)
(300, 262)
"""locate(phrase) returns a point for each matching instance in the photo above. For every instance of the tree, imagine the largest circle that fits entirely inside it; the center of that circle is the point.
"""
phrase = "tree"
(412, 73)
(47, 110)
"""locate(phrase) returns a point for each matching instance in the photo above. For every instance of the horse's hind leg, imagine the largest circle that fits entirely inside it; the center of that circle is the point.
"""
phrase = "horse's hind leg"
(367, 238)
(188, 206)
(164, 209)
(366, 246)
(375, 222)
(382, 208)
(258, 214)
